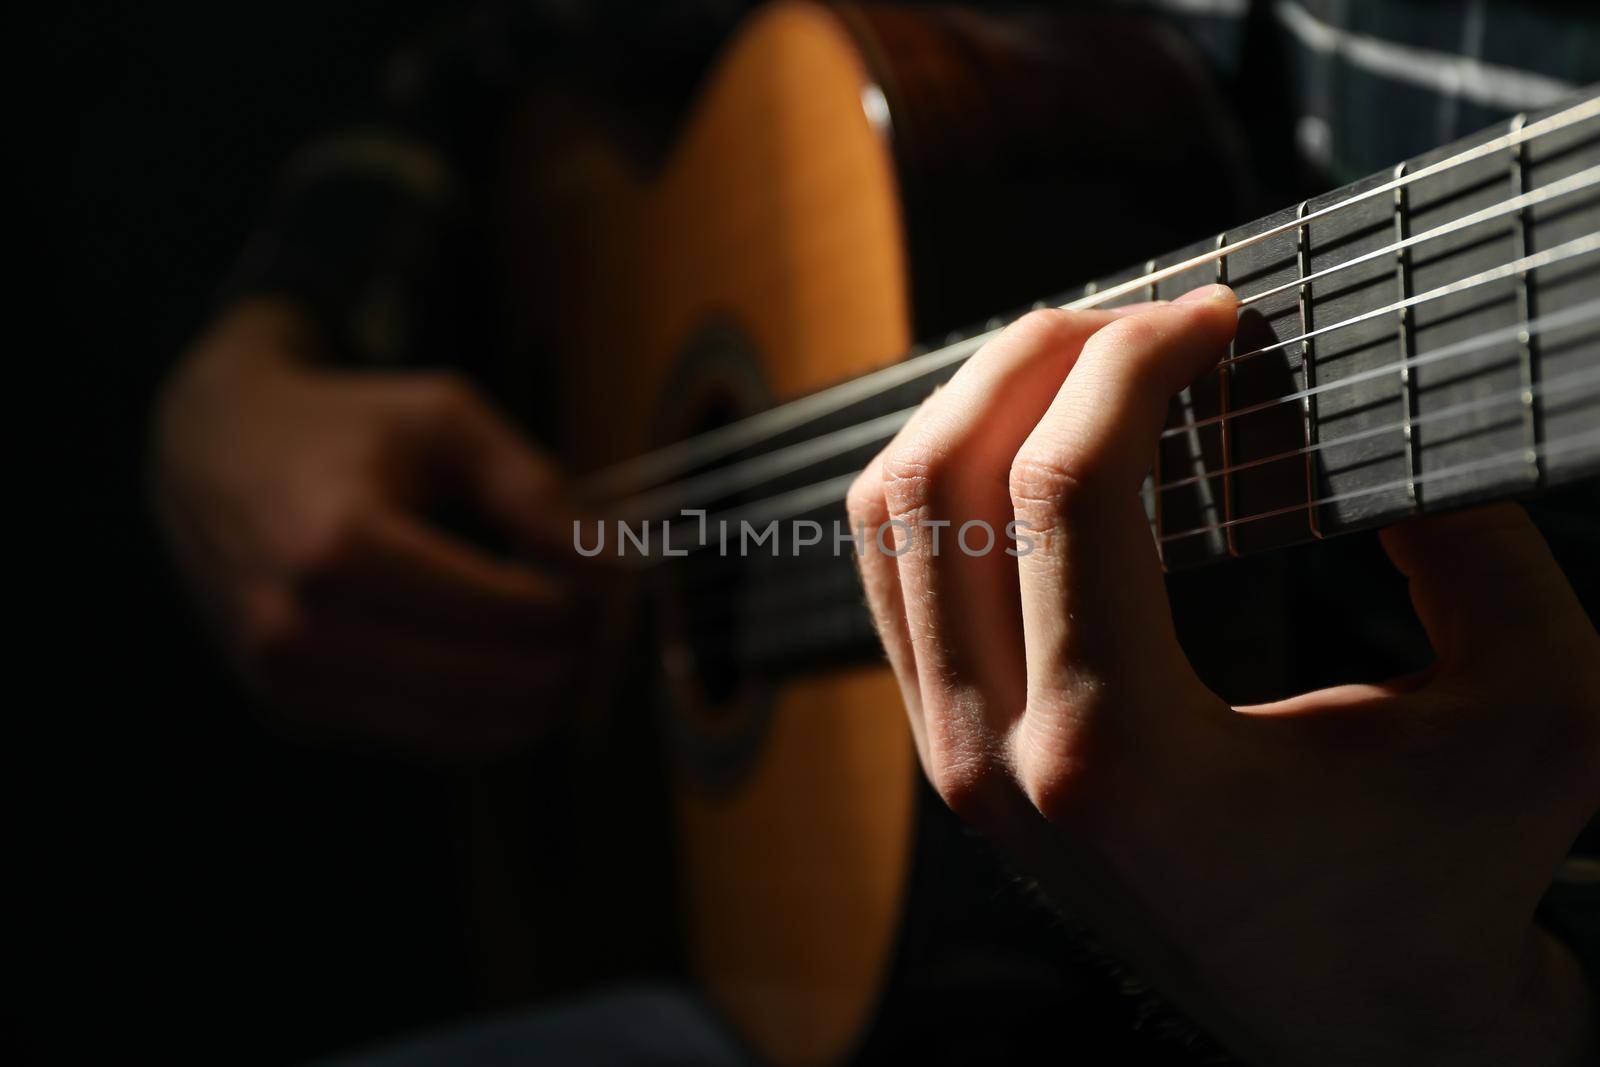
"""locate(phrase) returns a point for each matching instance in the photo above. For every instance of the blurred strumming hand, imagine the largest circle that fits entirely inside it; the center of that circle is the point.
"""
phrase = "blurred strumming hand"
(298, 499)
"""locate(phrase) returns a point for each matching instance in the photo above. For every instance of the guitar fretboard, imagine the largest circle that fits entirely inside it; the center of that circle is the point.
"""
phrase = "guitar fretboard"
(1426, 346)
(1420, 349)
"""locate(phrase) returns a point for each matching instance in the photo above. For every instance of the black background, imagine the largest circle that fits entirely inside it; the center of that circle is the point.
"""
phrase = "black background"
(211, 892)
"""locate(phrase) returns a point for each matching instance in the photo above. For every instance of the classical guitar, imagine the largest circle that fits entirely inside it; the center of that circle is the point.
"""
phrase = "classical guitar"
(734, 321)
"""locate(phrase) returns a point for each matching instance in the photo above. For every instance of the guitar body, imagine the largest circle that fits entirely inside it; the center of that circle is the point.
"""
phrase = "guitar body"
(819, 209)
(775, 219)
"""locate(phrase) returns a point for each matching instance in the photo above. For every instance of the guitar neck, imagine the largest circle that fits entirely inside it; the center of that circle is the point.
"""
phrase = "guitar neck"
(1423, 339)
(1433, 345)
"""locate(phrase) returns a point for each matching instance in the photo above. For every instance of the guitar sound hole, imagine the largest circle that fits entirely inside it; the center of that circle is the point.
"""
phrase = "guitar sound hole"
(711, 599)
(721, 702)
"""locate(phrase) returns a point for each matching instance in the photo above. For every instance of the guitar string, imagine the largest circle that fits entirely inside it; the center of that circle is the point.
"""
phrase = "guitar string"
(1580, 246)
(651, 467)
(719, 484)
(1505, 333)
(1570, 184)
(730, 479)
(1528, 454)
(1549, 388)
(725, 481)
(832, 491)
(1525, 454)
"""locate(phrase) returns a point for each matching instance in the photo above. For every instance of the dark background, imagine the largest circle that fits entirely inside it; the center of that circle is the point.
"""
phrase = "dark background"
(212, 892)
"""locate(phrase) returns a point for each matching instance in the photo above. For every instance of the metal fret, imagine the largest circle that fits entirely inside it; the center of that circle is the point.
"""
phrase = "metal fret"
(1198, 473)
(1527, 359)
(1225, 428)
(1308, 406)
(1408, 397)
(1155, 469)
(641, 473)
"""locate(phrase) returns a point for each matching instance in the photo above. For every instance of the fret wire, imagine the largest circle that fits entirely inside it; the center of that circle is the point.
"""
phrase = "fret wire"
(1549, 388)
(1577, 113)
(1090, 288)
(1572, 183)
(1526, 362)
(1197, 459)
(804, 579)
(1155, 470)
(1569, 250)
(1152, 504)
(630, 475)
(1580, 246)
(1224, 402)
(1308, 367)
(1407, 344)
(1555, 320)
(1568, 443)
(1190, 426)
(1581, 313)
(832, 490)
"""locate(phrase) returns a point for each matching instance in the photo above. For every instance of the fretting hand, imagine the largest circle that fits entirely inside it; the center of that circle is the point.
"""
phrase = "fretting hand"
(1347, 876)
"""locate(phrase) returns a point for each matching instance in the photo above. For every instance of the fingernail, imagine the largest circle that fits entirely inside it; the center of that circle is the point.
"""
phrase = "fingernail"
(1205, 292)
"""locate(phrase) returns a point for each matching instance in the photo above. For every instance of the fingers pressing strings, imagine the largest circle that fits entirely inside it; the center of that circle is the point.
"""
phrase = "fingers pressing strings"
(1044, 434)
(943, 588)
(1093, 601)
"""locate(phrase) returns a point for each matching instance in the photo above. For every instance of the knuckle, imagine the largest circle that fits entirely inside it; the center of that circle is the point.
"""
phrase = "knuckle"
(1044, 488)
(1134, 354)
(1058, 792)
(1042, 326)
(967, 786)
(1056, 780)
(1062, 756)
(1131, 333)
(864, 502)
(913, 474)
